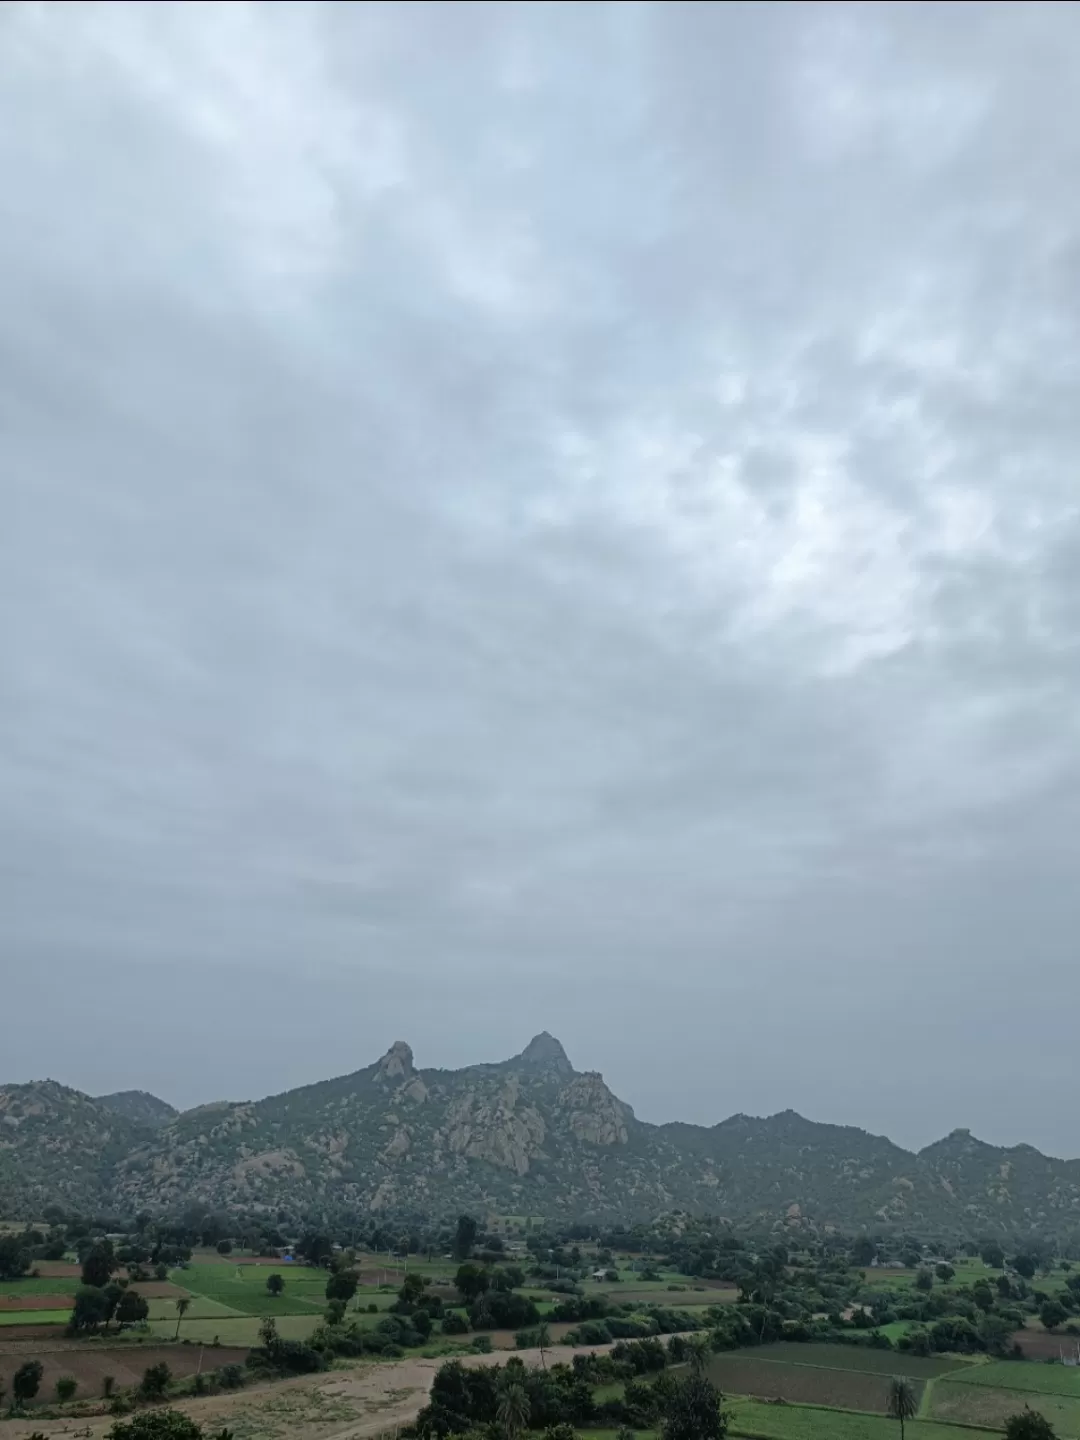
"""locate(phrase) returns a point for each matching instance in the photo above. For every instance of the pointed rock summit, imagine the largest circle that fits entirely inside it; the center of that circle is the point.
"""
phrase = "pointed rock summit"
(544, 1052)
(396, 1064)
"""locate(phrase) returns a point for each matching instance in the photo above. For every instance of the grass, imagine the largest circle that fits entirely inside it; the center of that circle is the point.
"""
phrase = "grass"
(34, 1317)
(809, 1422)
(1027, 1375)
(984, 1405)
(40, 1285)
(242, 1289)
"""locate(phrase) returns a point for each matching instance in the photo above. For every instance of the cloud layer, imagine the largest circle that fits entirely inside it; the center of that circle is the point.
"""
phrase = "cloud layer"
(525, 516)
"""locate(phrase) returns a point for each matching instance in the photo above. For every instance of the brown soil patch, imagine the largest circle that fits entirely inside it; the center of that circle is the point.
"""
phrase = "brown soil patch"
(57, 1269)
(89, 1363)
(28, 1332)
(158, 1289)
(1041, 1345)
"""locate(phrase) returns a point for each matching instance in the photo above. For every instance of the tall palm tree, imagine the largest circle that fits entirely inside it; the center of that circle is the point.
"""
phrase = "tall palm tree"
(512, 1410)
(183, 1305)
(543, 1339)
(698, 1357)
(901, 1402)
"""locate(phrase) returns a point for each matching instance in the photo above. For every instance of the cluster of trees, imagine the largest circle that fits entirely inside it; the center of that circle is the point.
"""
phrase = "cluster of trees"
(556, 1400)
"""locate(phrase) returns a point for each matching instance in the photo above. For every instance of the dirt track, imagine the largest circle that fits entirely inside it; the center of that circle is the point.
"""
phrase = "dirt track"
(355, 1404)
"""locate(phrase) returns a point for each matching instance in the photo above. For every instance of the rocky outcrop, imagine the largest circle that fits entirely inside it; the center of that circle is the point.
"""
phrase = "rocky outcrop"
(528, 1135)
(592, 1111)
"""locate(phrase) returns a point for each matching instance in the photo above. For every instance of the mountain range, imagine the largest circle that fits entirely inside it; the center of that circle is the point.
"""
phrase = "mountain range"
(528, 1135)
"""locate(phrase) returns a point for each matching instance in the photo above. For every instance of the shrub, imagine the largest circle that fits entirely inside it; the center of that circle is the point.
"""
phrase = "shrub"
(155, 1381)
(454, 1323)
(26, 1381)
(66, 1387)
(231, 1377)
(482, 1344)
(157, 1425)
(108, 1385)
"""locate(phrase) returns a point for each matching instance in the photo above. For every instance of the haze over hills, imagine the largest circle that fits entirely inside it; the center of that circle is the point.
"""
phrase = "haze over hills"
(526, 1135)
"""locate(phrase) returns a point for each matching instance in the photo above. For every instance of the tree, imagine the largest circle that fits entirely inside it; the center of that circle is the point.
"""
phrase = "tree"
(863, 1251)
(14, 1257)
(268, 1333)
(183, 1305)
(464, 1237)
(1052, 1314)
(543, 1340)
(224, 1247)
(471, 1281)
(993, 1255)
(342, 1285)
(26, 1381)
(90, 1309)
(1024, 1265)
(512, 1409)
(316, 1247)
(692, 1410)
(98, 1264)
(901, 1403)
(131, 1309)
(66, 1386)
(1028, 1424)
(275, 1284)
(944, 1272)
(335, 1312)
(155, 1381)
(924, 1280)
(983, 1295)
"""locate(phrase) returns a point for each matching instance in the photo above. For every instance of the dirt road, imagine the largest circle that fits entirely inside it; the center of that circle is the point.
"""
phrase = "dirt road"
(364, 1401)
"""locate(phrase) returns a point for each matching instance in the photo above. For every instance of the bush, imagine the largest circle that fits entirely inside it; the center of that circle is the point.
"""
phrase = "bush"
(26, 1381)
(155, 1381)
(108, 1385)
(66, 1387)
(482, 1344)
(231, 1377)
(454, 1323)
(157, 1425)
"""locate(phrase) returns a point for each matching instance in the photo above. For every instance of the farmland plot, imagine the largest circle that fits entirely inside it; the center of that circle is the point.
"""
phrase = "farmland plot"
(860, 1357)
(985, 1405)
(740, 1374)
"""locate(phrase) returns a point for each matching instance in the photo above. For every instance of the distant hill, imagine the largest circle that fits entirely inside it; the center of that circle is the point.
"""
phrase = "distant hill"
(140, 1107)
(526, 1135)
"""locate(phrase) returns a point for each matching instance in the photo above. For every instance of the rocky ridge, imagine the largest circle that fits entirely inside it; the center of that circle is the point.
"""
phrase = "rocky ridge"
(528, 1135)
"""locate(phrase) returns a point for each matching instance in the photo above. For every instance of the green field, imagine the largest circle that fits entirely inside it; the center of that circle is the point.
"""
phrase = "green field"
(1028, 1375)
(34, 1317)
(810, 1422)
(984, 1405)
(40, 1285)
(242, 1288)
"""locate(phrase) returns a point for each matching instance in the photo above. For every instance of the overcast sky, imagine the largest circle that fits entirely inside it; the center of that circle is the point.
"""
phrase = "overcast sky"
(568, 517)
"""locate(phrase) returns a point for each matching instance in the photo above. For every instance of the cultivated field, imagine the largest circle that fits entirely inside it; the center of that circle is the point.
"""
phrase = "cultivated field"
(740, 1373)
(985, 1405)
(859, 1357)
(1015, 1375)
(89, 1364)
(801, 1422)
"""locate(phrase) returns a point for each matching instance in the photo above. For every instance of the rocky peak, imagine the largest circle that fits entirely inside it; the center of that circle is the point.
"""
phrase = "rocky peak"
(544, 1052)
(396, 1064)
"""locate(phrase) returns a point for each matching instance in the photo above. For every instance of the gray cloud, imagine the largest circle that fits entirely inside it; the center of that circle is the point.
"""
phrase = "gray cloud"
(523, 516)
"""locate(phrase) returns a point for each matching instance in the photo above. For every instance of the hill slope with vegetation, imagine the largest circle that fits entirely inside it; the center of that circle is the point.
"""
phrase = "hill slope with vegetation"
(529, 1135)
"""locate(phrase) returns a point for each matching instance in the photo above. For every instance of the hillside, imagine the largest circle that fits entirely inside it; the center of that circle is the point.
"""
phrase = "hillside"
(526, 1135)
(140, 1107)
